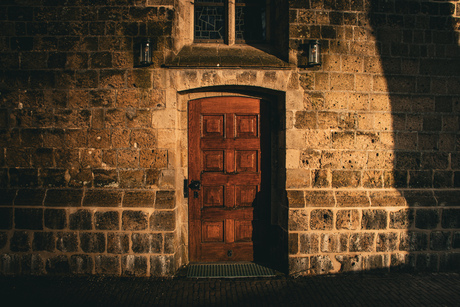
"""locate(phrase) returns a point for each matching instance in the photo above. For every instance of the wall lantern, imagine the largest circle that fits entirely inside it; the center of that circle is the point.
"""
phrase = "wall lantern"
(145, 56)
(314, 53)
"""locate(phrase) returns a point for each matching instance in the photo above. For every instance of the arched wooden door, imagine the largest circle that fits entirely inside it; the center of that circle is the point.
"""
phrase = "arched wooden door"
(225, 176)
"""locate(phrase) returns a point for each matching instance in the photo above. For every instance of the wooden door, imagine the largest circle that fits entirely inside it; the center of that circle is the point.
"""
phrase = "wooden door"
(225, 157)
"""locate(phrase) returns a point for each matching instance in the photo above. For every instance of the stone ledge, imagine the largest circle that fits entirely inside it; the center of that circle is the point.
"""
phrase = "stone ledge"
(223, 56)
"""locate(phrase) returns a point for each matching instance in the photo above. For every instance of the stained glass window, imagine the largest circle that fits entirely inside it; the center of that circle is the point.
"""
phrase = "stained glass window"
(209, 20)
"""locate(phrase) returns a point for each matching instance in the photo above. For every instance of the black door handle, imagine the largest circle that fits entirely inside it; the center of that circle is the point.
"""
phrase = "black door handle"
(195, 185)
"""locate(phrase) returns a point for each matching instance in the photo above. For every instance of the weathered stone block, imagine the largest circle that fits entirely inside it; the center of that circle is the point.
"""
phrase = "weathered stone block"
(420, 179)
(117, 243)
(28, 218)
(7, 196)
(296, 178)
(134, 220)
(350, 263)
(375, 262)
(426, 218)
(92, 242)
(449, 262)
(310, 159)
(20, 242)
(413, 241)
(44, 241)
(165, 200)
(374, 219)
(450, 218)
(352, 199)
(321, 220)
(387, 242)
(141, 199)
(347, 219)
(319, 199)
(417, 198)
(107, 220)
(102, 198)
(10, 264)
(387, 199)
(299, 266)
(58, 265)
(362, 242)
(55, 218)
(293, 243)
(169, 243)
(6, 218)
(346, 178)
(32, 265)
(81, 220)
(321, 264)
(63, 198)
(309, 243)
(105, 178)
(296, 199)
(33, 197)
(298, 220)
(81, 264)
(147, 243)
(321, 178)
(441, 240)
(163, 221)
(161, 265)
(305, 120)
(23, 177)
(67, 241)
(427, 262)
(402, 262)
(107, 265)
(334, 243)
(448, 198)
(401, 219)
(131, 178)
(134, 265)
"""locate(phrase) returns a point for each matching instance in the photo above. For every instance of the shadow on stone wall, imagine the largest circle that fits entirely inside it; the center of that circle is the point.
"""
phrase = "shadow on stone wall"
(417, 42)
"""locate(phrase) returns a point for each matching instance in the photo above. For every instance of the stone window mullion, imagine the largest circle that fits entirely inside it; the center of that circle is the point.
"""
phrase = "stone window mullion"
(231, 36)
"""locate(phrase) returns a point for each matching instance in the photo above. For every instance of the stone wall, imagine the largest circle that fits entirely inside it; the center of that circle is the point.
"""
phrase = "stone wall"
(94, 149)
(372, 170)
(87, 141)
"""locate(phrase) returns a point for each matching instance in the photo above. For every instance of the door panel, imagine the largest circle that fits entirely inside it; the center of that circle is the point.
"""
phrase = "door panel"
(225, 156)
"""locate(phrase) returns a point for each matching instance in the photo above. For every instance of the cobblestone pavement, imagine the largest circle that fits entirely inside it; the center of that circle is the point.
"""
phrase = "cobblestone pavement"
(341, 290)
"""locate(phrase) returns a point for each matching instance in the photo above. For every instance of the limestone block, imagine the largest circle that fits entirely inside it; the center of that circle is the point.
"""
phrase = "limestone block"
(362, 242)
(401, 219)
(134, 265)
(57, 265)
(309, 243)
(106, 220)
(107, 265)
(67, 241)
(298, 220)
(321, 178)
(134, 220)
(92, 242)
(295, 139)
(297, 178)
(348, 219)
(413, 241)
(440, 240)
(334, 242)
(321, 264)
(346, 178)
(352, 199)
(321, 219)
(117, 243)
(426, 218)
(292, 158)
(166, 138)
(310, 159)
(164, 119)
(374, 219)
(350, 263)
(319, 199)
(387, 242)
(335, 101)
(318, 139)
(151, 243)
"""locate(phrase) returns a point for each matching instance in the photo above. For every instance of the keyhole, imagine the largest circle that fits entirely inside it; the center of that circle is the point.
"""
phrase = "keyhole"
(229, 253)
(195, 194)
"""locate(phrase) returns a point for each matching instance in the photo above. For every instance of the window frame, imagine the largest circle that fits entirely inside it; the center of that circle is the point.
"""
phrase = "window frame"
(230, 23)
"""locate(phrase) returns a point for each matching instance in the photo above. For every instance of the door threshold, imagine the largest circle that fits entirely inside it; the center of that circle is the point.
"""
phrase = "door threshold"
(229, 270)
